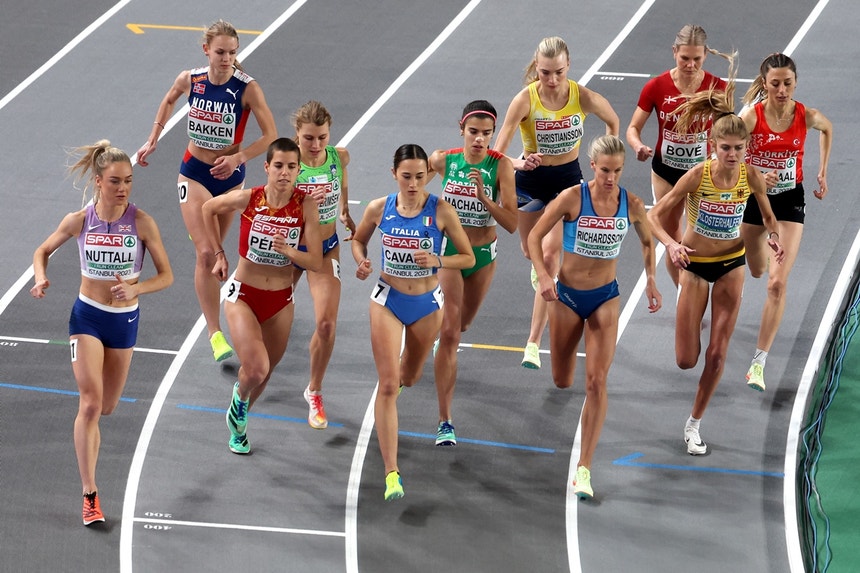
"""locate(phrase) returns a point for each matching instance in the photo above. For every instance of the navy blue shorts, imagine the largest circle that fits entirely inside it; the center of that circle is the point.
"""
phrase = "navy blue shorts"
(539, 186)
(196, 170)
(408, 308)
(669, 174)
(114, 327)
(328, 245)
(585, 302)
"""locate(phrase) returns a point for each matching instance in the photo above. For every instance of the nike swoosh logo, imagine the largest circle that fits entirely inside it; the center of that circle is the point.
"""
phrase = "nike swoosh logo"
(93, 227)
(261, 209)
(727, 263)
(130, 320)
(389, 217)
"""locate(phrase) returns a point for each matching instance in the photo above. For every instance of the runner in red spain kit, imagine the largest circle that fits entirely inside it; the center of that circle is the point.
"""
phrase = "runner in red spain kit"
(259, 302)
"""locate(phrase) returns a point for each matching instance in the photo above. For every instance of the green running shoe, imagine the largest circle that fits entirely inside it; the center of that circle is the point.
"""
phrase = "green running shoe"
(237, 413)
(239, 444)
(582, 483)
(445, 434)
(393, 486)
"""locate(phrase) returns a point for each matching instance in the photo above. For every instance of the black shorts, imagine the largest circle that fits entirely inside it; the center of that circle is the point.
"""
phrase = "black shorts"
(536, 188)
(786, 206)
(669, 174)
(712, 268)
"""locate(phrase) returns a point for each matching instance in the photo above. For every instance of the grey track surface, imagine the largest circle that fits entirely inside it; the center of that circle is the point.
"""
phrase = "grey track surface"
(483, 506)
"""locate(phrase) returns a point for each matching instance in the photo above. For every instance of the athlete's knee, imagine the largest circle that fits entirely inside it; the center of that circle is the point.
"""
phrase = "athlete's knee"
(89, 409)
(326, 328)
(256, 372)
(686, 361)
(595, 384)
(776, 287)
(715, 357)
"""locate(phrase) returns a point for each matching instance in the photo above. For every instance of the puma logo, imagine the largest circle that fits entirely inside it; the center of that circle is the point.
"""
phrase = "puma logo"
(231, 92)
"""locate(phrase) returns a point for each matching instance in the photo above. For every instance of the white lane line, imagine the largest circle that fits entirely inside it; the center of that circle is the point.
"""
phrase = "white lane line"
(571, 501)
(807, 379)
(351, 513)
(130, 499)
(59, 55)
(66, 343)
(238, 527)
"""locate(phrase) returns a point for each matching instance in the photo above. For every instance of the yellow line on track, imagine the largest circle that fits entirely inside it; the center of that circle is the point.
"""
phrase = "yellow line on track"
(139, 28)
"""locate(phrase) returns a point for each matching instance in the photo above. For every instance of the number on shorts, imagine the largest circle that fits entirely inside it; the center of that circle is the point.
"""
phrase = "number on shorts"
(233, 289)
(73, 344)
(380, 293)
(182, 187)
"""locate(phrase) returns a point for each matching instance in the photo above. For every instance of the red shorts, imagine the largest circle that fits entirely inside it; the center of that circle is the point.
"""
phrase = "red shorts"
(265, 303)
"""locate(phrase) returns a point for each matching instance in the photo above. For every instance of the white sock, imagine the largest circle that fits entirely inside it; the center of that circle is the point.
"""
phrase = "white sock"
(693, 422)
(760, 357)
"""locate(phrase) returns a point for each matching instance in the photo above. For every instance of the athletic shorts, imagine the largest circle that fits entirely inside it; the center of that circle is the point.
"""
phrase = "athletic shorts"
(115, 327)
(786, 206)
(327, 244)
(539, 186)
(585, 302)
(408, 308)
(264, 303)
(669, 174)
(196, 170)
(712, 268)
(484, 255)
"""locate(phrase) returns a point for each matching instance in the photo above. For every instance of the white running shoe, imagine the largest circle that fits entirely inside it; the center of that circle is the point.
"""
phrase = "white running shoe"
(695, 445)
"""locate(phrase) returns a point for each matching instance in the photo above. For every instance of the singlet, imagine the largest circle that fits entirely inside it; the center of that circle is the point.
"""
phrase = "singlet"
(259, 223)
(402, 236)
(673, 149)
(462, 194)
(783, 152)
(593, 236)
(553, 132)
(110, 249)
(216, 119)
(717, 213)
(328, 176)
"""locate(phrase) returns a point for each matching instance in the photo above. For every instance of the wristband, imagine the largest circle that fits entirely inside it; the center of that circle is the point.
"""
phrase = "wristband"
(439, 258)
(773, 233)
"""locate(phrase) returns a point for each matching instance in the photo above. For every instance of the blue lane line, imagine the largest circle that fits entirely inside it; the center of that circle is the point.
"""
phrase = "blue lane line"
(628, 461)
(483, 443)
(51, 391)
(253, 415)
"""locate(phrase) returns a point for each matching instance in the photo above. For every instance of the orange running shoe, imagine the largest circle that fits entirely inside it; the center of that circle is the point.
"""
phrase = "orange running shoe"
(92, 511)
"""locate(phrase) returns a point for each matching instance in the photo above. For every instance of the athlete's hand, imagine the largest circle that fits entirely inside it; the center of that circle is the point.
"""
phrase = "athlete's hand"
(822, 187)
(363, 271)
(279, 245)
(425, 259)
(771, 179)
(38, 290)
(225, 166)
(547, 287)
(680, 254)
(349, 225)
(478, 179)
(123, 290)
(655, 299)
(221, 268)
(643, 153)
(531, 162)
(145, 151)
(779, 252)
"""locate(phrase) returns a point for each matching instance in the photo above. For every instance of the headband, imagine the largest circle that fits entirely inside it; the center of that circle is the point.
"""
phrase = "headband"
(477, 111)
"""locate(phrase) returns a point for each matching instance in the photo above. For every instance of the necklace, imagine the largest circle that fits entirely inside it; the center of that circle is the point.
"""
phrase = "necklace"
(787, 116)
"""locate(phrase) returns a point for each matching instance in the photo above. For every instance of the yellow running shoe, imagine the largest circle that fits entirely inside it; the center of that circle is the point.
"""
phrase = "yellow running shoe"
(582, 483)
(531, 356)
(755, 377)
(393, 486)
(221, 350)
